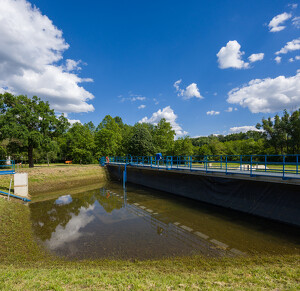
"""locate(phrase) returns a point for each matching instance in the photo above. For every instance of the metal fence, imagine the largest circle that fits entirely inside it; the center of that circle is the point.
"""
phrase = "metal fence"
(7, 167)
(283, 166)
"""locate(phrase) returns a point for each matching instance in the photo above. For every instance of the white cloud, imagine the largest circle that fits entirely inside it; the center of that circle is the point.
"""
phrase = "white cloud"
(169, 115)
(275, 23)
(31, 47)
(190, 91)
(230, 56)
(278, 59)
(296, 21)
(256, 57)
(63, 200)
(72, 121)
(72, 65)
(293, 5)
(290, 46)
(291, 60)
(142, 106)
(297, 58)
(268, 95)
(71, 231)
(238, 129)
(137, 98)
(230, 109)
(212, 112)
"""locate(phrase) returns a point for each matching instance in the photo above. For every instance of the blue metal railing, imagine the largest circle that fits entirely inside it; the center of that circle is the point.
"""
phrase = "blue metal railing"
(280, 166)
(7, 167)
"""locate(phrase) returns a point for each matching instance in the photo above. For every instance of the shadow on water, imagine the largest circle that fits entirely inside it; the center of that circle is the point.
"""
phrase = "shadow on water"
(143, 223)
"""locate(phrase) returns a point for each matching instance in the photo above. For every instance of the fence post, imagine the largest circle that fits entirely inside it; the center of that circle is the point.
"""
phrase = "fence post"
(283, 166)
(265, 163)
(221, 162)
(297, 164)
(226, 164)
(251, 166)
(241, 161)
(206, 164)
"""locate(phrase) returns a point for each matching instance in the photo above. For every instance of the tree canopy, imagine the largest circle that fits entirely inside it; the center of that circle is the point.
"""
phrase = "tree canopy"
(30, 130)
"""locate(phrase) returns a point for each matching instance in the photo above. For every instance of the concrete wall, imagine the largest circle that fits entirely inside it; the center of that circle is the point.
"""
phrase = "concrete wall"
(276, 201)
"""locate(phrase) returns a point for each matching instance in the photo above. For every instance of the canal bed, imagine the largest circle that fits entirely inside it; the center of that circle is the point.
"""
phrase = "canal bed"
(142, 223)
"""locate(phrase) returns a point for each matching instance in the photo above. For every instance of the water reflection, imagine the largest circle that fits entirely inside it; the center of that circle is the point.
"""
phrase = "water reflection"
(141, 223)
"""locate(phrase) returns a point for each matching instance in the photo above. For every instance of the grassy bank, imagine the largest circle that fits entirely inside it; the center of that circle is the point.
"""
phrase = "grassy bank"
(43, 180)
(24, 265)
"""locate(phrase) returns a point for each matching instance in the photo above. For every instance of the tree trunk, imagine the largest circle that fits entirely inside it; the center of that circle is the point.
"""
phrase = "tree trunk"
(48, 160)
(30, 156)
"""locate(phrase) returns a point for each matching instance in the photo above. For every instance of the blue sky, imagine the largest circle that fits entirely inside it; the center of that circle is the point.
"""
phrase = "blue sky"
(135, 51)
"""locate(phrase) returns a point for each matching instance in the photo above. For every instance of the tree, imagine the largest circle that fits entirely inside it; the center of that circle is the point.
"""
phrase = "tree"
(31, 121)
(163, 137)
(183, 147)
(80, 143)
(108, 137)
(141, 143)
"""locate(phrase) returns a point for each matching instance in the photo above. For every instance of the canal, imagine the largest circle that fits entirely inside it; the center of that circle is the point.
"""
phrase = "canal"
(141, 223)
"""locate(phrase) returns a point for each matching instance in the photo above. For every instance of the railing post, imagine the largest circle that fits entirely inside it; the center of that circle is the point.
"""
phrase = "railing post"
(191, 161)
(226, 164)
(297, 164)
(265, 163)
(241, 161)
(283, 166)
(221, 162)
(251, 166)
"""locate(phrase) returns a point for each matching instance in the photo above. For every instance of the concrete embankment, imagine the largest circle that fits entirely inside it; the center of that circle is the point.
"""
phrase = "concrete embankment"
(276, 200)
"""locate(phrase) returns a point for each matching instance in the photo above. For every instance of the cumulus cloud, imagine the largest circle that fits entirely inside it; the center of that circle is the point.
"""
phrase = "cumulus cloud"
(245, 128)
(290, 46)
(268, 95)
(142, 106)
(212, 112)
(277, 60)
(230, 109)
(169, 115)
(275, 23)
(256, 57)
(188, 93)
(72, 230)
(230, 56)
(30, 51)
(72, 121)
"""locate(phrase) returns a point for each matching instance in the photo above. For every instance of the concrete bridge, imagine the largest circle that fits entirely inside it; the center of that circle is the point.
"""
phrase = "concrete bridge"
(250, 184)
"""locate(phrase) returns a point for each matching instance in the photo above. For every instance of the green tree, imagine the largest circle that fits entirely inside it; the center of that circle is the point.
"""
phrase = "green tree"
(80, 143)
(29, 120)
(163, 137)
(141, 143)
(108, 137)
(183, 147)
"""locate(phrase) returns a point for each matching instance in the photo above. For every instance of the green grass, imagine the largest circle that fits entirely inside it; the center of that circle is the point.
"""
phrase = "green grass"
(24, 265)
(43, 180)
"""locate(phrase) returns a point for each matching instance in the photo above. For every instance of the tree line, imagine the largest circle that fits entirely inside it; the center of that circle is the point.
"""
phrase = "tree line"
(31, 131)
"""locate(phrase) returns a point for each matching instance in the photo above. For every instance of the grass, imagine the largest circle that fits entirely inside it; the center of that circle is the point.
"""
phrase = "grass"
(24, 265)
(43, 180)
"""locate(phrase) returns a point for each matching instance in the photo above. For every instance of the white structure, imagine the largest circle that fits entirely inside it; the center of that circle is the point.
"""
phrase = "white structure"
(21, 185)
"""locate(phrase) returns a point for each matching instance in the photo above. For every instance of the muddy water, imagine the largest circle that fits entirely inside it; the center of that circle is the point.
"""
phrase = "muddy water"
(143, 223)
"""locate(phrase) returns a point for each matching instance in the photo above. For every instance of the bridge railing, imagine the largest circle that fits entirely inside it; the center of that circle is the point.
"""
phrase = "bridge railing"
(284, 166)
(7, 167)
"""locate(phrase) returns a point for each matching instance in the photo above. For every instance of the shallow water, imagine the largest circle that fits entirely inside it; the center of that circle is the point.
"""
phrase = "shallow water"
(142, 223)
